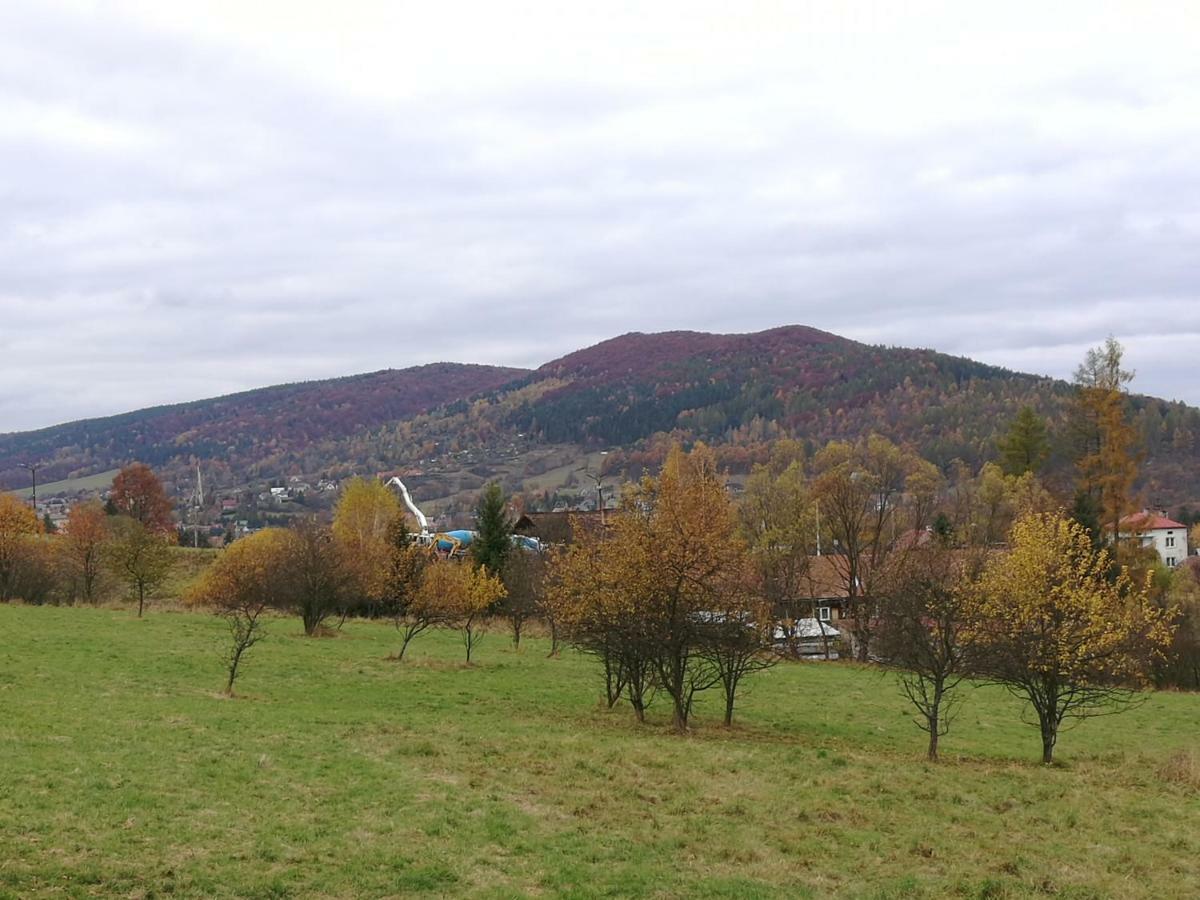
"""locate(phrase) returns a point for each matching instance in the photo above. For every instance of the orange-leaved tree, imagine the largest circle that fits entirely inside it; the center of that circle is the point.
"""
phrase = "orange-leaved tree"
(1106, 441)
(401, 599)
(667, 589)
(1051, 623)
(138, 494)
(83, 543)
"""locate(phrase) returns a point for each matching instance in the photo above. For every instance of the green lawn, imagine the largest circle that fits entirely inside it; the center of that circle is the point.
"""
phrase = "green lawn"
(98, 482)
(339, 773)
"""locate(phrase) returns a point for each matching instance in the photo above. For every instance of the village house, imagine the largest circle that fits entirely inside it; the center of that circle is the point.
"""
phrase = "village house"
(824, 593)
(559, 527)
(1168, 538)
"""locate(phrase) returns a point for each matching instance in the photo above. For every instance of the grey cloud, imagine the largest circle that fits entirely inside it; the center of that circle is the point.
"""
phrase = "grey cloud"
(213, 223)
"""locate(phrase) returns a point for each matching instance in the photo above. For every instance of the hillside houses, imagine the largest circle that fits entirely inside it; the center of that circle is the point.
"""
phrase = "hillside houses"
(1168, 538)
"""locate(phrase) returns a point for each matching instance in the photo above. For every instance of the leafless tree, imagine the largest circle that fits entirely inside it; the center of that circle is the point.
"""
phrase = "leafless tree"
(923, 632)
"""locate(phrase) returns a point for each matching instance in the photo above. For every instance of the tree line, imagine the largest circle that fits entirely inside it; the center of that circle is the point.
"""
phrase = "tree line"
(366, 562)
(985, 575)
(125, 542)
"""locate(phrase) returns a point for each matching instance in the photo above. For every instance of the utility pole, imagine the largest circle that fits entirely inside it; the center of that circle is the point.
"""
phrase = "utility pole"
(33, 467)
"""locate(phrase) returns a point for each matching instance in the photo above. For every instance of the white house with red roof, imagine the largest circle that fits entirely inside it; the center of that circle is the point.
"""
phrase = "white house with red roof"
(1168, 537)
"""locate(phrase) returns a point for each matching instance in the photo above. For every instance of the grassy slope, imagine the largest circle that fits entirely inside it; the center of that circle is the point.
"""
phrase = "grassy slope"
(98, 482)
(339, 773)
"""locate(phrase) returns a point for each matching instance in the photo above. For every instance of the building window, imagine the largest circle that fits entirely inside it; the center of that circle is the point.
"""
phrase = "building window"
(1170, 542)
(1171, 562)
(823, 613)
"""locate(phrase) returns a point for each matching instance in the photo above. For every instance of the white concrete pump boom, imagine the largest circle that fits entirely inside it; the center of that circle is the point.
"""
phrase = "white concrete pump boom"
(412, 507)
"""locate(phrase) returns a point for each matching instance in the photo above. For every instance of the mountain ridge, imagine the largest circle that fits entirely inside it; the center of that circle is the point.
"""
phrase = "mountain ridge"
(630, 394)
(394, 393)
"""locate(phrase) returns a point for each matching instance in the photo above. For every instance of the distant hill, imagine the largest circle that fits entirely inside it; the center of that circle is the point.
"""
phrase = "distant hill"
(244, 431)
(793, 380)
(451, 427)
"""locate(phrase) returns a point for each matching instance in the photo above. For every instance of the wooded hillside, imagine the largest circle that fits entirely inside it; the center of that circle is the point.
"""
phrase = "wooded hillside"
(630, 395)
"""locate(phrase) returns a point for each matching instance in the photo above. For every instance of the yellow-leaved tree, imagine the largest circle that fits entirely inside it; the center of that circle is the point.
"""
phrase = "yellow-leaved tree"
(19, 525)
(779, 524)
(666, 598)
(250, 577)
(364, 513)
(1050, 622)
(140, 556)
(461, 595)
(861, 489)
(591, 606)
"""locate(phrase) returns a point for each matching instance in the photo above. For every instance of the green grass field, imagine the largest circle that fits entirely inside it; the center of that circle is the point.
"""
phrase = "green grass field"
(98, 482)
(340, 773)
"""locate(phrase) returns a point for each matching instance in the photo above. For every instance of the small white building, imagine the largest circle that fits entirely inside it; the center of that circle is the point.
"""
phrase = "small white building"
(1168, 537)
(809, 638)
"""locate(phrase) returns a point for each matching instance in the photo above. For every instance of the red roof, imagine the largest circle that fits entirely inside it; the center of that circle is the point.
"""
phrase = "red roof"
(1145, 521)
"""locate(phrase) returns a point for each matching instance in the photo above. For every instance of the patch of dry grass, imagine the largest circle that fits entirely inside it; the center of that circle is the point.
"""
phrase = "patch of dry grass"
(1182, 767)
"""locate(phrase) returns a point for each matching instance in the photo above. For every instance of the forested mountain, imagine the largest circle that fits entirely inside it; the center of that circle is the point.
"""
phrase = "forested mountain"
(631, 396)
(793, 380)
(243, 431)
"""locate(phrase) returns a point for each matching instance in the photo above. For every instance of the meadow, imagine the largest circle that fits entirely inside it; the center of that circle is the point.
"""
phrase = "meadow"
(98, 482)
(338, 772)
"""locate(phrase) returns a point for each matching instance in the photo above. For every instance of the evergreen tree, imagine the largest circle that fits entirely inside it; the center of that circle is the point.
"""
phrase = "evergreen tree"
(1025, 447)
(943, 528)
(493, 542)
(1086, 513)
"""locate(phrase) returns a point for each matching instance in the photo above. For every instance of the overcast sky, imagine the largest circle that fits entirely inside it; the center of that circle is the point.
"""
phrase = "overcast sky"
(195, 203)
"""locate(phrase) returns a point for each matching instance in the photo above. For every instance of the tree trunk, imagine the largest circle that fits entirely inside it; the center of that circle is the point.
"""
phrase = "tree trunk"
(730, 691)
(612, 683)
(633, 684)
(141, 599)
(934, 719)
(1049, 737)
(639, 708)
(232, 674)
(680, 715)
